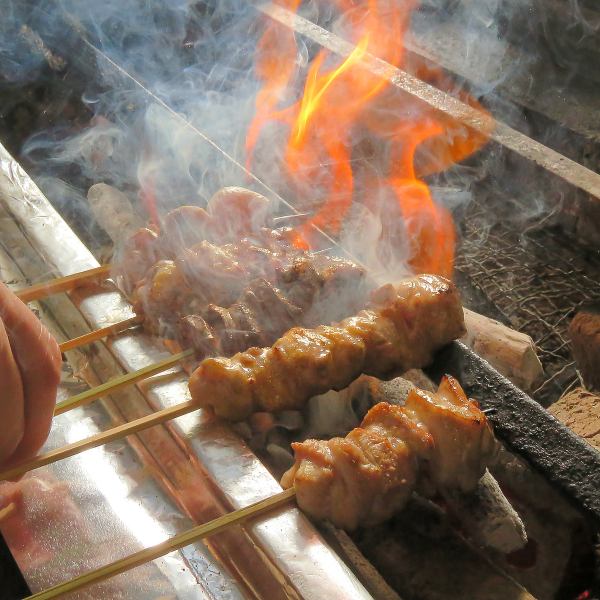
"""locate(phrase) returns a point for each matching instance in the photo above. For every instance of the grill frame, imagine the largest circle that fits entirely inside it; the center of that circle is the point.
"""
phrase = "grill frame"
(528, 430)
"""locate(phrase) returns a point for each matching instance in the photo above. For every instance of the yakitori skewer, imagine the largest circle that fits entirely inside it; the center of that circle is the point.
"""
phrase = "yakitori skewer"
(179, 541)
(104, 437)
(215, 383)
(435, 442)
(98, 334)
(62, 284)
(120, 382)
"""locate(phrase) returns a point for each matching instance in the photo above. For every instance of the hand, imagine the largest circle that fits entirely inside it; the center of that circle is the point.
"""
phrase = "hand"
(30, 366)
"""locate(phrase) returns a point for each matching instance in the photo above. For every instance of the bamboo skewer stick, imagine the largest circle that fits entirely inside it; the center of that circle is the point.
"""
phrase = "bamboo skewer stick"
(179, 541)
(119, 382)
(111, 434)
(104, 437)
(98, 334)
(61, 284)
(8, 510)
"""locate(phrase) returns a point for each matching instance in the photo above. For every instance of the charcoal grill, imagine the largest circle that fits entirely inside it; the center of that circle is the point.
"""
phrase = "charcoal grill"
(519, 421)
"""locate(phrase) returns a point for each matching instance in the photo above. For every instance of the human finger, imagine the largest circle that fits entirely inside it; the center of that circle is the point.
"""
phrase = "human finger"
(39, 360)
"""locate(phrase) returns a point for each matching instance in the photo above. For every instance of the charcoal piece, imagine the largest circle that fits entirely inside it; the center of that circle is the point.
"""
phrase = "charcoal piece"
(584, 332)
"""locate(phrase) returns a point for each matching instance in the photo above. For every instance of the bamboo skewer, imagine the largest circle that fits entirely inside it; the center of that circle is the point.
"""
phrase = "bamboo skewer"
(61, 284)
(119, 382)
(116, 432)
(8, 510)
(104, 437)
(98, 334)
(179, 541)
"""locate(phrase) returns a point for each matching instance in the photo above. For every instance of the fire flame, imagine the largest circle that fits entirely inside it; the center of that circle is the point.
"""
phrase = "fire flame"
(342, 99)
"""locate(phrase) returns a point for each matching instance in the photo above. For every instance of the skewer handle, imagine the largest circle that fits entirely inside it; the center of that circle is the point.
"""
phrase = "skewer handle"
(98, 334)
(100, 438)
(61, 284)
(179, 541)
(119, 382)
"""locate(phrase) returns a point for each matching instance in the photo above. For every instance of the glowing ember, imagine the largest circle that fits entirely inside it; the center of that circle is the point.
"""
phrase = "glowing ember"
(342, 99)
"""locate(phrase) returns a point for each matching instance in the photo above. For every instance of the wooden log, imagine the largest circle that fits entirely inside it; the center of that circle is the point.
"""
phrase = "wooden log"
(580, 411)
(584, 332)
(510, 352)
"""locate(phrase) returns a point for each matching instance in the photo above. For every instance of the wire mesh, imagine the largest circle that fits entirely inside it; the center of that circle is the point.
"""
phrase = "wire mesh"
(536, 281)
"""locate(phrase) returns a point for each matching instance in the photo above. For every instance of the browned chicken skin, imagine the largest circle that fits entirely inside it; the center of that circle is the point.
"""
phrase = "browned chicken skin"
(436, 441)
(407, 324)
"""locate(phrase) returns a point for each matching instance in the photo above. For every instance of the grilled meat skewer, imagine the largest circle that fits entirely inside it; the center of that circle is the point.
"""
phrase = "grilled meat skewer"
(221, 281)
(436, 441)
(224, 299)
(231, 214)
(406, 324)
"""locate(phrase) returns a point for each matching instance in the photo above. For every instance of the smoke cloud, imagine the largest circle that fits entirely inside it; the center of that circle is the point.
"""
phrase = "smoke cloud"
(174, 69)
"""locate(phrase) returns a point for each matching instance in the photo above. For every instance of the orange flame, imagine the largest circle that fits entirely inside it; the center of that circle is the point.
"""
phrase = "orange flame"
(342, 100)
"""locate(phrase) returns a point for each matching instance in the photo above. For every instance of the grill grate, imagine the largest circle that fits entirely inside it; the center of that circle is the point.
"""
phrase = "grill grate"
(536, 281)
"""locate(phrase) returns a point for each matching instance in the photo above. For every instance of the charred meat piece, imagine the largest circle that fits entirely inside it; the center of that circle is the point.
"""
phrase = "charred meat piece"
(301, 281)
(223, 327)
(327, 288)
(163, 288)
(275, 313)
(369, 475)
(183, 228)
(213, 271)
(195, 332)
(396, 335)
(139, 253)
(237, 212)
(260, 315)
(233, 213)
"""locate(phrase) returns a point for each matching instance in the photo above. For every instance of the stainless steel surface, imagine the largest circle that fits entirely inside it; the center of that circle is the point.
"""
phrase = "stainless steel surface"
(300, 560)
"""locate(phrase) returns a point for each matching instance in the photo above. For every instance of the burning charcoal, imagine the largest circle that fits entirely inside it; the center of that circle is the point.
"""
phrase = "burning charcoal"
(491, 521)
(585, 342)
(336, 413)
